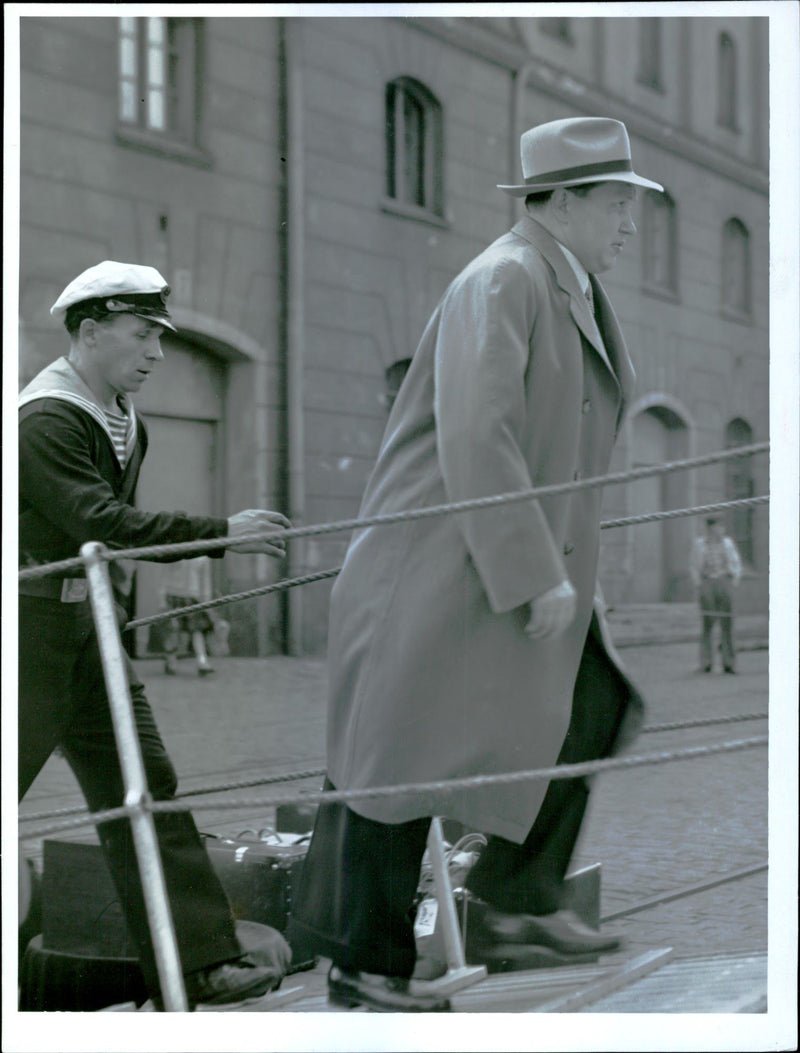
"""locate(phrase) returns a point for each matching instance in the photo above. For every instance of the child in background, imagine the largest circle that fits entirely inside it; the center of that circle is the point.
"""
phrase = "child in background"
(185, 583)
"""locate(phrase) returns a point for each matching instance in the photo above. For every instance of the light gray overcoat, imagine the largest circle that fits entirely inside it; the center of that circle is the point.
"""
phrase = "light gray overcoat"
(431, 674)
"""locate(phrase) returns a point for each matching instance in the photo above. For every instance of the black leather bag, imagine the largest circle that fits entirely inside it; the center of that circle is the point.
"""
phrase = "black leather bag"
(260, 877)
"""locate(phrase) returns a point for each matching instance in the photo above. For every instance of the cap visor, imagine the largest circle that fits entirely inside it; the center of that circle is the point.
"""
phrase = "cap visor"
(158, 319)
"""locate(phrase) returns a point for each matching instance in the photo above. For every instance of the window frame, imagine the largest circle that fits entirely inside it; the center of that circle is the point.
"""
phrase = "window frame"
(181, 91)
(653, 200)
(397, 200)
(651, 55)
(727, 83)
(740, 483)
(743, 311)
(559, 29)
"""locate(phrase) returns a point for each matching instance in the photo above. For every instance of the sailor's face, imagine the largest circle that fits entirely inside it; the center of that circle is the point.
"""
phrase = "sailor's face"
(128, 349)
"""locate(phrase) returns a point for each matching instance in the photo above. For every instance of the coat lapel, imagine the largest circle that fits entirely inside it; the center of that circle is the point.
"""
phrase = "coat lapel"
(544, 241)
(614, 340)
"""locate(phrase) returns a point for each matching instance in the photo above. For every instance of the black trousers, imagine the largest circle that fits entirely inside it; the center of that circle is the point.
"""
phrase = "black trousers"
(360, 877)
(63, 702)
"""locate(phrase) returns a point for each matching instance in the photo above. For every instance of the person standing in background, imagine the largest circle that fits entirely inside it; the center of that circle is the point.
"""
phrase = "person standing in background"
(716, 569)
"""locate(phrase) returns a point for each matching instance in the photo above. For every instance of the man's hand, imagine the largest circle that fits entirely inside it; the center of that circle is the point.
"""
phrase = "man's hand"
(259, 521)
(552, 612)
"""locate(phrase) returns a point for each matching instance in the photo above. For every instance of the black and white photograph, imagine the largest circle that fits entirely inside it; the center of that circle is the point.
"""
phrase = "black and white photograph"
(401, 464)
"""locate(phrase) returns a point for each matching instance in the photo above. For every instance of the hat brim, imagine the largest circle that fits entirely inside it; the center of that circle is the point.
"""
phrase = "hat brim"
(613, 177)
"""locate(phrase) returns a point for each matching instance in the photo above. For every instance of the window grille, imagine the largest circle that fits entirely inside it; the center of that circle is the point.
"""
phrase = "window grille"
(159, 76)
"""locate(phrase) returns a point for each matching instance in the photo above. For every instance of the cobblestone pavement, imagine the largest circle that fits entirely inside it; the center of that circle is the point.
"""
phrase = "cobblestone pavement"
(655, 829)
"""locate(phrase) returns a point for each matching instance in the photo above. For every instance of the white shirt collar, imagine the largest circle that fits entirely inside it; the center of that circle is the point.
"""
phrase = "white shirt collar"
(580, 271)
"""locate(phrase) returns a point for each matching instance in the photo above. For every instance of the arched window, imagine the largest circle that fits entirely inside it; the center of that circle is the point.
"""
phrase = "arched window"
(738, 484)
(736, 267)
(413, 145)
(650, 53)
(659, 572)
(660, 242)
(726, 82)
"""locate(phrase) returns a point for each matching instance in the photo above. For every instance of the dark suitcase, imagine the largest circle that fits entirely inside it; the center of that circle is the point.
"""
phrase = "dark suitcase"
(260, 878)
(81, 913)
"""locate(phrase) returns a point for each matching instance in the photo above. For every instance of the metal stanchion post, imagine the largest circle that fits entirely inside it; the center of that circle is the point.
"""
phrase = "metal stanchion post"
(458, 974)
(137, 796)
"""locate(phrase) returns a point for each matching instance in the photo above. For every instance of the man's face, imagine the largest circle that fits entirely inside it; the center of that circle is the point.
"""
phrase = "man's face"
(599, 223)
(126, 351)
(716, 531)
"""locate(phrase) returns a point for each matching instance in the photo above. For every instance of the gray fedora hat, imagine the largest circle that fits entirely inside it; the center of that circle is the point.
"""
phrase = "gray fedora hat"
(574, 151)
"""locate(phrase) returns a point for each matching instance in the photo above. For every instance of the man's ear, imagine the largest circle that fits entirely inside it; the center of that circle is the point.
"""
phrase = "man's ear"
(88, 330)
(559, 202)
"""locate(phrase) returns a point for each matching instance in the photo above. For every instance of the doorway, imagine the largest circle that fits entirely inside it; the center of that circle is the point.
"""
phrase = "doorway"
(183, 409)
(660, 549)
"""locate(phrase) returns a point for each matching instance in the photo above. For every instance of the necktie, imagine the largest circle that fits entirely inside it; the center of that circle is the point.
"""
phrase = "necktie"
(590, 297)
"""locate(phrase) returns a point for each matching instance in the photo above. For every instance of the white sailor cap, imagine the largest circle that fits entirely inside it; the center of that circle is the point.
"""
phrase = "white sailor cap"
(118, 288)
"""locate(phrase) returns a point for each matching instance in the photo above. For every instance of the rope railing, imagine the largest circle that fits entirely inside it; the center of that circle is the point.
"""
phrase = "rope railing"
(322, 575)
(139, 806)
(387, 519)
(317, 773)
(433, 791)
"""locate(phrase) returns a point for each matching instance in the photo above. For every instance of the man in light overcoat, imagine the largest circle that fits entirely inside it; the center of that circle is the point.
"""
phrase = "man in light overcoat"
(469, 644)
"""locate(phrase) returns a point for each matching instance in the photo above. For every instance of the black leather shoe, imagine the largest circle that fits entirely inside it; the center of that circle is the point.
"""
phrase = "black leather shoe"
(383, 994)
(241, 980)
(562, 931)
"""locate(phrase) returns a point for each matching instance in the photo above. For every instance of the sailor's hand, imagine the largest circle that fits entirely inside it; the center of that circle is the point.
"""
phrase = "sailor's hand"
(259, 521)
(552, 612)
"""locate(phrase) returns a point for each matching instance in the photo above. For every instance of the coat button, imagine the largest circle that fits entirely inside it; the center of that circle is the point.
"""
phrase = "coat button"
(587, 405)
(568, 548)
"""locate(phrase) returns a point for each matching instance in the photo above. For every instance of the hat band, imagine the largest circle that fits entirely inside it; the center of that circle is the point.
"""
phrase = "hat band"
(597, 168)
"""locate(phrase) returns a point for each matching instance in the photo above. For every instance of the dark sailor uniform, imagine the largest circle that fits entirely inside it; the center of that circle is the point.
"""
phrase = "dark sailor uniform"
(73, 489)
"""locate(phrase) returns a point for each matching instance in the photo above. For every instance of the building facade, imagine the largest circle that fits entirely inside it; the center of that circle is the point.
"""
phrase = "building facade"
(310, 187)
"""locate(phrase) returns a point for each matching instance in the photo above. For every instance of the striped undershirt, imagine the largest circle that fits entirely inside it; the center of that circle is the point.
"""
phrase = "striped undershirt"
(118, 426)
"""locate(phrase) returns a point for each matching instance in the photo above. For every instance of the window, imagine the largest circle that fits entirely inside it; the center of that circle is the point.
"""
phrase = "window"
(413, 146)
(659, 243)
(738, 484)
(395, 375)
(726, 82)
(159, 76)
(736, 268)
(556, 27)
(650, 53)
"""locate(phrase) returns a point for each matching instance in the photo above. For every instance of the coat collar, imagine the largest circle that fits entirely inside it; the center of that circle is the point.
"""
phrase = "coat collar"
(61, 381)
(612, 349)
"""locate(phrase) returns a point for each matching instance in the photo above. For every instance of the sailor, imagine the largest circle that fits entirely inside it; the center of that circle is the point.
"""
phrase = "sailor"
(81, 446)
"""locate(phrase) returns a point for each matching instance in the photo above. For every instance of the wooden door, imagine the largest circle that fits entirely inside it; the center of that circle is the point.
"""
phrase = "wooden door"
(182, 406)
(646, 495)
